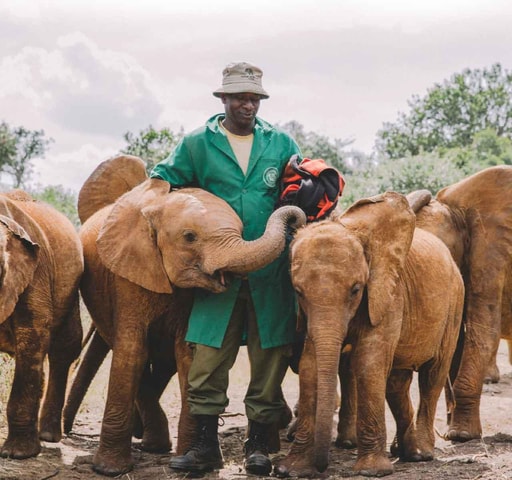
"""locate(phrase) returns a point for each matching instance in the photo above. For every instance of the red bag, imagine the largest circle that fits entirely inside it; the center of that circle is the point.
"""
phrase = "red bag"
(312, 185)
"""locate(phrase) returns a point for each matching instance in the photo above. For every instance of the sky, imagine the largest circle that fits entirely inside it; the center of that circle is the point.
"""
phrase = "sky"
(86, 72)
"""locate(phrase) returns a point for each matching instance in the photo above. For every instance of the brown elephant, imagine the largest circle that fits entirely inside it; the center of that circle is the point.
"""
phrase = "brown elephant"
(40, 263)
(143, 254)
(370, 280)
(474, 219)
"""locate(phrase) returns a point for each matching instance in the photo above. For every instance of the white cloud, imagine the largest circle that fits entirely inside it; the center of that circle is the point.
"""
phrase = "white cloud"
(82, 86)
(70, 169)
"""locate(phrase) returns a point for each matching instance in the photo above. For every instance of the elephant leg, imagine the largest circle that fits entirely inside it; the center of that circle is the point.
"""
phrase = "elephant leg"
(25, 398)
(299, 462)
(186, 422)
(431, 377)
(481, 339)
(89, 366)
(372, 364)
(347, 416)
(454, 370)
(492, 372)
(155, 427)
(65, 345)
(399, 401)
(113, 456)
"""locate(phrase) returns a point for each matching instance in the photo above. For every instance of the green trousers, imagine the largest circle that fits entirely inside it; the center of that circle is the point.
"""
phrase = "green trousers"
(209, 373)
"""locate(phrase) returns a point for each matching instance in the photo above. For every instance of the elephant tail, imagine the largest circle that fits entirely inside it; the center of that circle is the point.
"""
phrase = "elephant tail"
(109, 180)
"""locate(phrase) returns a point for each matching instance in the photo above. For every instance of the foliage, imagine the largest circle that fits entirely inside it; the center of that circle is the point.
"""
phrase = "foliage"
(151, 145)
(18, 146)
(64, 200)
(451, 114)
(431, 171)
(313, 145)
(487, 150)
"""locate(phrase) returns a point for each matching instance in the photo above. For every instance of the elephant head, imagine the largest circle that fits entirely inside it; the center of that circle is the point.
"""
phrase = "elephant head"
(184, 238)
(362, 250)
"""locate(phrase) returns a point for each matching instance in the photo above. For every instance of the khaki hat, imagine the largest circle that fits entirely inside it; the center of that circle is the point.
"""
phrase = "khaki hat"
(241, 77)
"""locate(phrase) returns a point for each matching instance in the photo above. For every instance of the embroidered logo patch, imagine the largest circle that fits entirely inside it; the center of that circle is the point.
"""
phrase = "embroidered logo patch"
(270, 176)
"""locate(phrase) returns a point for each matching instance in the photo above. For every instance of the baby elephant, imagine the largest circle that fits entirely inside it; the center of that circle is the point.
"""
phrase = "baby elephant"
(40, 266)
(369, 279)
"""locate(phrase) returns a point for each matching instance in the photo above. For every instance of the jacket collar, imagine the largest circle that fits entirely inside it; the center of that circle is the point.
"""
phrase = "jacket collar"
(262, 134)
(261, 125)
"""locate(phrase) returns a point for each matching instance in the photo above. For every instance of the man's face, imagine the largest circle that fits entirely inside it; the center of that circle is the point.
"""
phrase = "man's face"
(241, 109)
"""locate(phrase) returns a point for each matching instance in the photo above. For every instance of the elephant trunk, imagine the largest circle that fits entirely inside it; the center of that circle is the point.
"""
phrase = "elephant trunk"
(248, 256)
(328, 351)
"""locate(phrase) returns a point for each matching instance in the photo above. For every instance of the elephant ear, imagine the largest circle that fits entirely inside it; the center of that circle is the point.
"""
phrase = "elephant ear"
(385, 226)
(126, 242)
(19, 260)
(110, 179)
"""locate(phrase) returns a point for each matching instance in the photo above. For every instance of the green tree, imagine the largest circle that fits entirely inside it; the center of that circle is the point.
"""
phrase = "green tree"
(18, 146)
(64, 200)
(451, 114)
(151, 145)
(313, 145)
(487, 149)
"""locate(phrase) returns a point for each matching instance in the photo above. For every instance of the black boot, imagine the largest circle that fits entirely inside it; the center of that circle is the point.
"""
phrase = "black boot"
(256, 450)
(204, 454)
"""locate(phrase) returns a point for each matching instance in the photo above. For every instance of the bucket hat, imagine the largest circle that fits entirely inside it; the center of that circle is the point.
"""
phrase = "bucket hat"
(241, 77)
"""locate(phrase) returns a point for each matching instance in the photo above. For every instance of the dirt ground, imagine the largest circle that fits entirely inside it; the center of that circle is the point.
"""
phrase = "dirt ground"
(489, 458)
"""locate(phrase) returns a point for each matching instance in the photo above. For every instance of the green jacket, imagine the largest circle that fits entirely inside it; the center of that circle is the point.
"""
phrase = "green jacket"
(204, 159)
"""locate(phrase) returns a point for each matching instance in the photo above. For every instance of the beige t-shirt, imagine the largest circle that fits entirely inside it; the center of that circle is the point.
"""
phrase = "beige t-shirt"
(241, 146)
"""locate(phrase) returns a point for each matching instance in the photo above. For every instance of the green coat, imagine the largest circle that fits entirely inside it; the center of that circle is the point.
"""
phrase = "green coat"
(204, 159)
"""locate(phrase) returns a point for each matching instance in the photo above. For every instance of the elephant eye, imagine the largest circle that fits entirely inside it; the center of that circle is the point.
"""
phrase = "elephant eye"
(356, 288)
(190, 237)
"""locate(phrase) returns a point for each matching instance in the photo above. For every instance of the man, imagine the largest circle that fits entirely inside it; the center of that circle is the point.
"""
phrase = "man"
(240, 158)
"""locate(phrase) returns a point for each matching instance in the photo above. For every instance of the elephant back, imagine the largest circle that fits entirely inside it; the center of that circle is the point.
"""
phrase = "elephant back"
(486, 191)
(110, 179)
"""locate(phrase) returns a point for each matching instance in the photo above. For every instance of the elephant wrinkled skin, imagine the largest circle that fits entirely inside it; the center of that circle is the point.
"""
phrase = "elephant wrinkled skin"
(40, 263)
(473, 217)
(370, 280)
(143, 253)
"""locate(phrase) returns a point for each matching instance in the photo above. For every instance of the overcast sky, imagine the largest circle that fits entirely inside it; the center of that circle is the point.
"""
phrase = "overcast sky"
(88, 71)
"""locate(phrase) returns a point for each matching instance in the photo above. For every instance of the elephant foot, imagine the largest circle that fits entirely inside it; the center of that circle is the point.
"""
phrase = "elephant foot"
(373, 466)
(465, 422)
(20, 448)
(418, 456)
(295, 465)
(492, 374)
(410, 452)
(155, 438)
(395, 448)
(347, 432)
(111, 467)
(50, 431)
(156, 446)
(345, 442)
(461, 435)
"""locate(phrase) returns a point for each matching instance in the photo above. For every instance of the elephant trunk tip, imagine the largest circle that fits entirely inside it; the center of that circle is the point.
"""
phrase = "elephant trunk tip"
(321, 462)
(296, 217)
